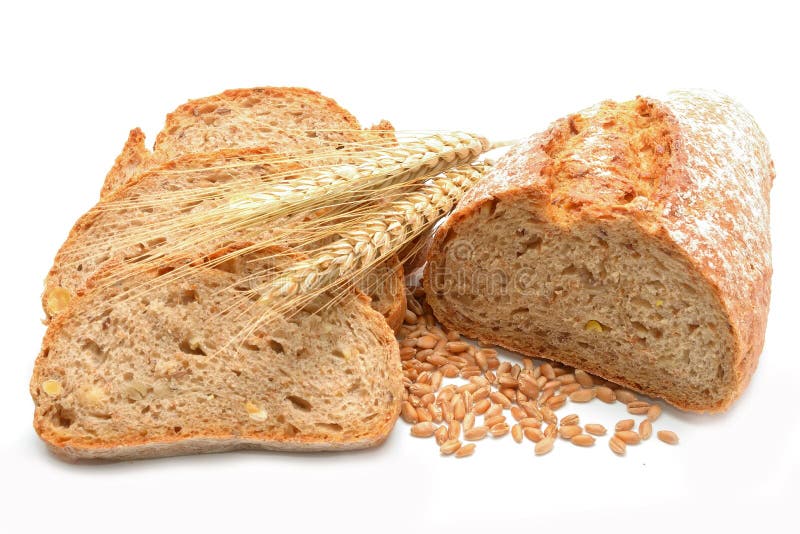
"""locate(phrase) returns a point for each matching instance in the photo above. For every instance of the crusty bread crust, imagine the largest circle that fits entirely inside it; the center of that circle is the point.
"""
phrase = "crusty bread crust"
(134, 159)
(394, 285)
(207, 444)
(711, 209)
(165, 140)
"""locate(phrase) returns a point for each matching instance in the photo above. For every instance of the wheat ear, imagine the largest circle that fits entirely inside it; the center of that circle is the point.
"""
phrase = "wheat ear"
(385, 232)
(319, 188)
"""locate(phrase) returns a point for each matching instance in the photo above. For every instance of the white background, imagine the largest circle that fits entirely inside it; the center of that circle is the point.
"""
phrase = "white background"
(77, 77)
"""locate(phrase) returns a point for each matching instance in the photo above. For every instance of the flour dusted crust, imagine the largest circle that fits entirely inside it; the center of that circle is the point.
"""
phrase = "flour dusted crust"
(720, 215)
(711, 207)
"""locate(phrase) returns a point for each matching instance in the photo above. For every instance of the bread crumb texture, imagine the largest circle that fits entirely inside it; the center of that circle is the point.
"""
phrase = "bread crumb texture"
(167, 371)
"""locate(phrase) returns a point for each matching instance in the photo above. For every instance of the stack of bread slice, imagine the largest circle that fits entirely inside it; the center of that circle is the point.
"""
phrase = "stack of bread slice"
(158, 374)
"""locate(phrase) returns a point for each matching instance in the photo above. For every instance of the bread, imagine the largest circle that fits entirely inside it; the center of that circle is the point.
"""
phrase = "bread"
(289, 120)
(95, 240)
(134, 159)
(161, 374)
(266, 119)
(630, 240)
(98, 237)
(385, 285)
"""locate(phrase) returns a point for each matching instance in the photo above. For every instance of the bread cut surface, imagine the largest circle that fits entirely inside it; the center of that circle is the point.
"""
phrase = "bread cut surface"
(630, 240)
(166, 371)
(103, 235)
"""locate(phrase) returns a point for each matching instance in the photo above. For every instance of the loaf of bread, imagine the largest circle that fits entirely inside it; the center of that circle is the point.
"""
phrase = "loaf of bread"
(167, 372)
(630, 240)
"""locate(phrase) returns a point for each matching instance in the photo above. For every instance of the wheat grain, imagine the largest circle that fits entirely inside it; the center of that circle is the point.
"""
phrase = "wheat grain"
(465, 450)
(668, 436)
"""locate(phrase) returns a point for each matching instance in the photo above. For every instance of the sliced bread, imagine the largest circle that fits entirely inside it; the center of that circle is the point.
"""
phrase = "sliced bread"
(630, 240)
(158, 375)
(103, 236)
(290, 120)
(98, 237)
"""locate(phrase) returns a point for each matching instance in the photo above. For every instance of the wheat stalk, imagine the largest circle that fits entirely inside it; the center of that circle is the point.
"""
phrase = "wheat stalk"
(372, 240)
(283, 195)
(426, 156)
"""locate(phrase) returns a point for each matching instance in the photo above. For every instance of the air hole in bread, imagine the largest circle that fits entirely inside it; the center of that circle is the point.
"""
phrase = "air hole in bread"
(488, 208)
(63, 417)
(191, 346)
(96, 354)
(188, 296)
(250, 344)
(330, 427)
(276, 346)
(299, 402)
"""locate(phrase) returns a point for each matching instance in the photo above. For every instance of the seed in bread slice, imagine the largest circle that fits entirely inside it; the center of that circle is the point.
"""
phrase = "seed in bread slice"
(630, 240)
(167, 372)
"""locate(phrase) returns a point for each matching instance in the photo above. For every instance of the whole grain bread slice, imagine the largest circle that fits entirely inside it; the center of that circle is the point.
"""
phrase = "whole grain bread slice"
(289, 120)
(105, 235)
(630, 240)
(142, 369)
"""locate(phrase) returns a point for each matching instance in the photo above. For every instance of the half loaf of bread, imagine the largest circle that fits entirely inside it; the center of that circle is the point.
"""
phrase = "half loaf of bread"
(630, 240)
(143, 369)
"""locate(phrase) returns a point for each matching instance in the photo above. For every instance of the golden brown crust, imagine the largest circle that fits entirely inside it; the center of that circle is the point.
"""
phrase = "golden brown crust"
(396, 312)
(711, 208)
(134, 159)
(719, 214)
(196, 107)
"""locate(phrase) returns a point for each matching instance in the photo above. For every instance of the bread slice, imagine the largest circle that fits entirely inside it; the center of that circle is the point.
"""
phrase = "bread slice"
(630, 240)
(385, 285)
(134, 159)
(96, 239)
(288, 120)
(158, 374)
